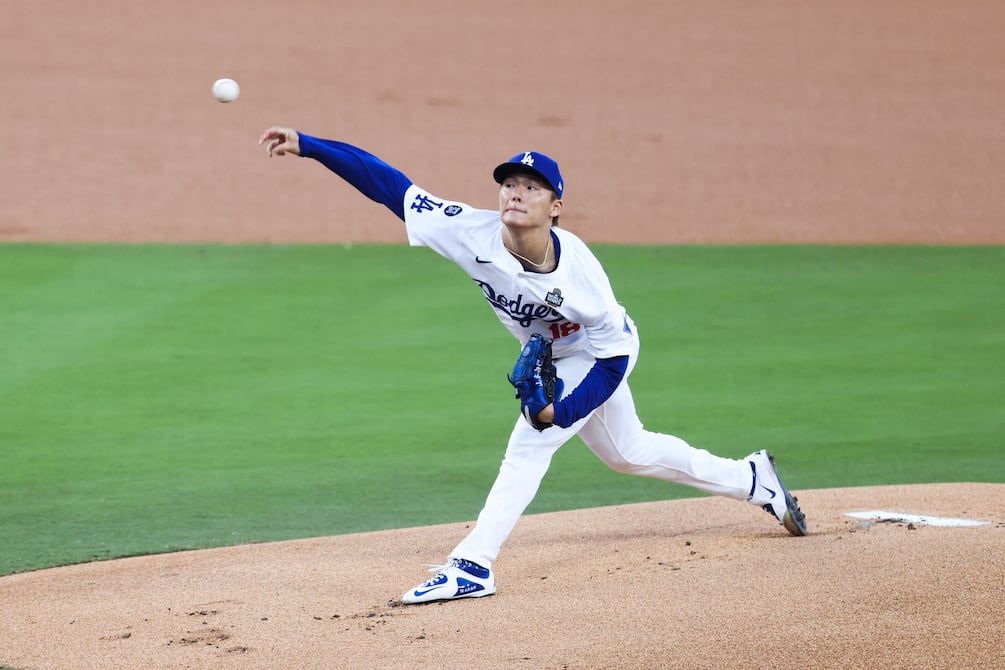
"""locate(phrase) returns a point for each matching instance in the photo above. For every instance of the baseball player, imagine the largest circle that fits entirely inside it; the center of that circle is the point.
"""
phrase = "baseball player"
(541, 280)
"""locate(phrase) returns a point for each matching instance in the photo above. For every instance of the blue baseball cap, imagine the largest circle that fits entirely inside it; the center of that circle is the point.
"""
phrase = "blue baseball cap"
(532, 163)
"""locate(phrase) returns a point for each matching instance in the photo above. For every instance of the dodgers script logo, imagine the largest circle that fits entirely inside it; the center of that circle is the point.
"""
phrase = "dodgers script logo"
(522, 312)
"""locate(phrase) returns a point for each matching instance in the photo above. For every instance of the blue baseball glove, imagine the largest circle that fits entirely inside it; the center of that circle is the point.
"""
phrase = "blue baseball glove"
(535, 379)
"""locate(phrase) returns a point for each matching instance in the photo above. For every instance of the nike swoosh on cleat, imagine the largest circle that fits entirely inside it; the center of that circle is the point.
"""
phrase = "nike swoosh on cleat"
(418, 594)
(479, 259)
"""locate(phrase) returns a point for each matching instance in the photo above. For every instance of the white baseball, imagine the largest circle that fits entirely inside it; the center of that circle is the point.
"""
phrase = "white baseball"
(226, 90)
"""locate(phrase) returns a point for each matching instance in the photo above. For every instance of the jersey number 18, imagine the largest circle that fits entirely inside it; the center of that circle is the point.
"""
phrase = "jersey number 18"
(563, 329)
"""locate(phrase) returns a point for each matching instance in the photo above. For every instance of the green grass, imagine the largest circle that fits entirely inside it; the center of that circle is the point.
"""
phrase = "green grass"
(156, 398)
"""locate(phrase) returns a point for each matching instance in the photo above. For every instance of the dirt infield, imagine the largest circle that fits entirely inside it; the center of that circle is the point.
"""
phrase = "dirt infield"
(716, 122)
(702, 583)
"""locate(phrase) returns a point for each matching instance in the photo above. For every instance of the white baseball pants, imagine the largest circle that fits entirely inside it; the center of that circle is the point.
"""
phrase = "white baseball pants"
(615, 434)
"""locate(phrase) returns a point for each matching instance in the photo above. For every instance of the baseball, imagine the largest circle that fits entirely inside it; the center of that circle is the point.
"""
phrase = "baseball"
(226, 90)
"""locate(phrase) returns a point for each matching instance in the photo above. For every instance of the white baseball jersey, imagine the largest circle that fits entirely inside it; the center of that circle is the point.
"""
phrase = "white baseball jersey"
(573, 305)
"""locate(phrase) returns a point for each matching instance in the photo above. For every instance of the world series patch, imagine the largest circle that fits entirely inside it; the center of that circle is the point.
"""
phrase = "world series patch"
(554, 298)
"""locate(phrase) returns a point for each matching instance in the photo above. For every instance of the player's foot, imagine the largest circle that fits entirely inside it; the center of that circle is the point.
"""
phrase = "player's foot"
(769, 493)
(456, 579)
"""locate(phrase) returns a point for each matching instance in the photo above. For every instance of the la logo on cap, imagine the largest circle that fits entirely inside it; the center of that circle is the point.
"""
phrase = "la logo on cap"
(528, 159)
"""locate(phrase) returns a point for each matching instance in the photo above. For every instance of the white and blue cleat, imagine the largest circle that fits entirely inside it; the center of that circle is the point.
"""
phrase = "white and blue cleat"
(456, 579)
(769, 493)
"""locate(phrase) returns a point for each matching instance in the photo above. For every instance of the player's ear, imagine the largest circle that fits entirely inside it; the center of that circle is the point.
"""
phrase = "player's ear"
(556, 207)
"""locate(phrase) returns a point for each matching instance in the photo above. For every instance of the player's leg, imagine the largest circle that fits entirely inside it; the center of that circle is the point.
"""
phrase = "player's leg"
(468, 573)
(528, 456)
(616, 435)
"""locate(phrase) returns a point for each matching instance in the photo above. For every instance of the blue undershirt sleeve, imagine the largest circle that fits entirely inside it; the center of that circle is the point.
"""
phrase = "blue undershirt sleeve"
(592, 392)
(370, 175)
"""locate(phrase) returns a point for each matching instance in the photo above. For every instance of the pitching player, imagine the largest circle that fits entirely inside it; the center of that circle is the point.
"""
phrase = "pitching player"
(541, 279)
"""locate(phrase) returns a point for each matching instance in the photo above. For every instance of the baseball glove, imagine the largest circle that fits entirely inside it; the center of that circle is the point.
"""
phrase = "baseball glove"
(535, 379)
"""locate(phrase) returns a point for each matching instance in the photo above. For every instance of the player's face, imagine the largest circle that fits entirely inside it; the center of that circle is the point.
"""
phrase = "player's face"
(526, 201)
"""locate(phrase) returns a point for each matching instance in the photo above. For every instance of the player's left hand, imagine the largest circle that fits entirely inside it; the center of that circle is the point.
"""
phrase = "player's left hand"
(536, 381)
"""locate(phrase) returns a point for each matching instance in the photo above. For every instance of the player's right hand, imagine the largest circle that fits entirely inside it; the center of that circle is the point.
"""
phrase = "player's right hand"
(280, 141)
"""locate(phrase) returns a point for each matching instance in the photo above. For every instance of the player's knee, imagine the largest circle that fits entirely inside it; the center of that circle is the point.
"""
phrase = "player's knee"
(627, 463)
(623, 468)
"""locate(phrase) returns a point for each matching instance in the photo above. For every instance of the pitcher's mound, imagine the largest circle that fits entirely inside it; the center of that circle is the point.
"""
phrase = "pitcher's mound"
(698, 583)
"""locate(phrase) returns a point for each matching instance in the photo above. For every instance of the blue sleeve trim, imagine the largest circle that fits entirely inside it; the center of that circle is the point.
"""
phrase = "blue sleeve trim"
(371, 176)
(592, 392)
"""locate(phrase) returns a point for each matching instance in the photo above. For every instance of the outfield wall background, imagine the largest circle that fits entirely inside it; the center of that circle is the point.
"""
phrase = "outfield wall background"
(721, 122)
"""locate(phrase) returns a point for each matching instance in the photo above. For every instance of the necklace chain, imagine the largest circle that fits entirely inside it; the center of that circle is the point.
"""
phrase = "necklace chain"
(547, 252)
